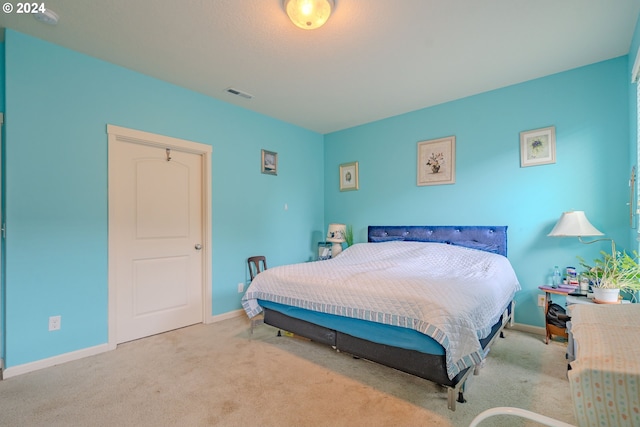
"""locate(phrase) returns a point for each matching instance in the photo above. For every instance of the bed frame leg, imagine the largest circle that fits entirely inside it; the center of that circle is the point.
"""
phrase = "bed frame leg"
(512, 320)
(451, 395)
(255, 322)
(451, 398)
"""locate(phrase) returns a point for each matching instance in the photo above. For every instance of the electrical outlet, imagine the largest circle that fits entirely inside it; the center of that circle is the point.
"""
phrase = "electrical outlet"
(240, 287)
(540, 300)
(54, 323)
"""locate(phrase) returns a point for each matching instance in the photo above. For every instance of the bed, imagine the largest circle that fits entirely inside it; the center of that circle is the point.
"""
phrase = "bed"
(426, 300)
(605, 376)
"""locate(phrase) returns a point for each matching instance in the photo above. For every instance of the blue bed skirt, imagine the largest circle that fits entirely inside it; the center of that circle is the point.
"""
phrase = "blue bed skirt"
(395, 336)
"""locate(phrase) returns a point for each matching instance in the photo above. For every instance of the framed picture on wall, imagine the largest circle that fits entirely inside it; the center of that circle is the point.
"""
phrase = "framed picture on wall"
(538, 147)
(349, 176)
(269, 162)
(437, 161)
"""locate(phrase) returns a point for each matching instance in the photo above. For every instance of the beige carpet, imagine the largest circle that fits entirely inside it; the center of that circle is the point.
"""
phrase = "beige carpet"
(220, 375)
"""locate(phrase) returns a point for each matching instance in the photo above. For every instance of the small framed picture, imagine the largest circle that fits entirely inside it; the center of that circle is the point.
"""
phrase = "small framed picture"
(269, 162)
(349, 176)
(437, 161)
(538, 147)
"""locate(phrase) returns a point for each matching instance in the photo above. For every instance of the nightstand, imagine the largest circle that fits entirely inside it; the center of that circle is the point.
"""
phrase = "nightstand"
(579, 300)
(552, 329)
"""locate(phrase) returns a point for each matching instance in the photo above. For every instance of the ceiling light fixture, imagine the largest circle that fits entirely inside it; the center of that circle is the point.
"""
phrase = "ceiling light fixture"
(47, 16)
(309, 14)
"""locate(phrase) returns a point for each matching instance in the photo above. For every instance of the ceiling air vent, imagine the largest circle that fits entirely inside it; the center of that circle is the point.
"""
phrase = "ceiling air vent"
(237, 92)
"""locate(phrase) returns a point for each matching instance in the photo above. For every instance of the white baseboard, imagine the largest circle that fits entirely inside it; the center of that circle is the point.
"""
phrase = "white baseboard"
(225, 316)
(537, 330)
(55, 360)
(91, 351)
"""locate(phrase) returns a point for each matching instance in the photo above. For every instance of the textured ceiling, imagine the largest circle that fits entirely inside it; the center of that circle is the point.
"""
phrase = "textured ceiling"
(373, 59)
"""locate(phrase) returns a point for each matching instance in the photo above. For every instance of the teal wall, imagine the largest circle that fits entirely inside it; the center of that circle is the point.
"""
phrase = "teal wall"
(589, 108)
(59, 103)
(1, 77)
(633, 128)
(2, 305)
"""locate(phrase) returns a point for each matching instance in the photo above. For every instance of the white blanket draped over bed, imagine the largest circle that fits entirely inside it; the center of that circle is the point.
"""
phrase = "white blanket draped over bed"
(450, 293)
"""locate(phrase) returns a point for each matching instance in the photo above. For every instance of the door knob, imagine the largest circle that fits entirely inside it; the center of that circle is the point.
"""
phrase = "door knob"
(198, 246)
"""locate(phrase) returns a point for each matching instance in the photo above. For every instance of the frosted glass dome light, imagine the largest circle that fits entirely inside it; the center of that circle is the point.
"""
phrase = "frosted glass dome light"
(309, 14)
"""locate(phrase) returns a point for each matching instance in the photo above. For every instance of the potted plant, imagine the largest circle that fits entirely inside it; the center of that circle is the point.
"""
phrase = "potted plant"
(612, 273)
(348, 235)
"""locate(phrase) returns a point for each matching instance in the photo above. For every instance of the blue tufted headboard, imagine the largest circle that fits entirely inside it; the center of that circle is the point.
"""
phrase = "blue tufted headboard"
(486, 238)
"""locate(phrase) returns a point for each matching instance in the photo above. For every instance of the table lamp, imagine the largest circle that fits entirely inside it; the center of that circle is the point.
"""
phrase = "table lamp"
(576, 224)
(335, 235)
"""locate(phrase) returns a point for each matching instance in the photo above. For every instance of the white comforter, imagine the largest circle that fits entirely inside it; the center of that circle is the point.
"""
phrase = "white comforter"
(449, 293)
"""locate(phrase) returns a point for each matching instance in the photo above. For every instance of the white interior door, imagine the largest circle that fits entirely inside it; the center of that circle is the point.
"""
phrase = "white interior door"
(156, 230)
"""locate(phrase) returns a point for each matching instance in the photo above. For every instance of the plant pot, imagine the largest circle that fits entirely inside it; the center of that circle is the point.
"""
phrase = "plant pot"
(606, 295)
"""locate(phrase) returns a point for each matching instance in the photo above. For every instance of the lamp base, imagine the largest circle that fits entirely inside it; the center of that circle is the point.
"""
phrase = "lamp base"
(336, 249)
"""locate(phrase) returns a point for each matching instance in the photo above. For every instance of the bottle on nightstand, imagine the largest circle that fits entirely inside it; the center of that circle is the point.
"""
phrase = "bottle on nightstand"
(556, 277)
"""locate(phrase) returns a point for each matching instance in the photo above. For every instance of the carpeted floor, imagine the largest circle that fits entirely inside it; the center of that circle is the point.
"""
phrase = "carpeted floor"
(220, 375)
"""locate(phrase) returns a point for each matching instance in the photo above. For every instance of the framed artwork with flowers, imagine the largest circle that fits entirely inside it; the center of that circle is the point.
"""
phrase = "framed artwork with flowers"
(349, 176)
(269, 162)
(538, 147)
(437, 161)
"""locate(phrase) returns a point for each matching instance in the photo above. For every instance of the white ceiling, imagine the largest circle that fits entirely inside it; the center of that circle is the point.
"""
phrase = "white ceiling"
(373, 59)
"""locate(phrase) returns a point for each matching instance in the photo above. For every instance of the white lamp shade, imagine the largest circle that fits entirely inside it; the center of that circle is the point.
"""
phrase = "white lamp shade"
(574, 224)
(308, 14)
(336, 233)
